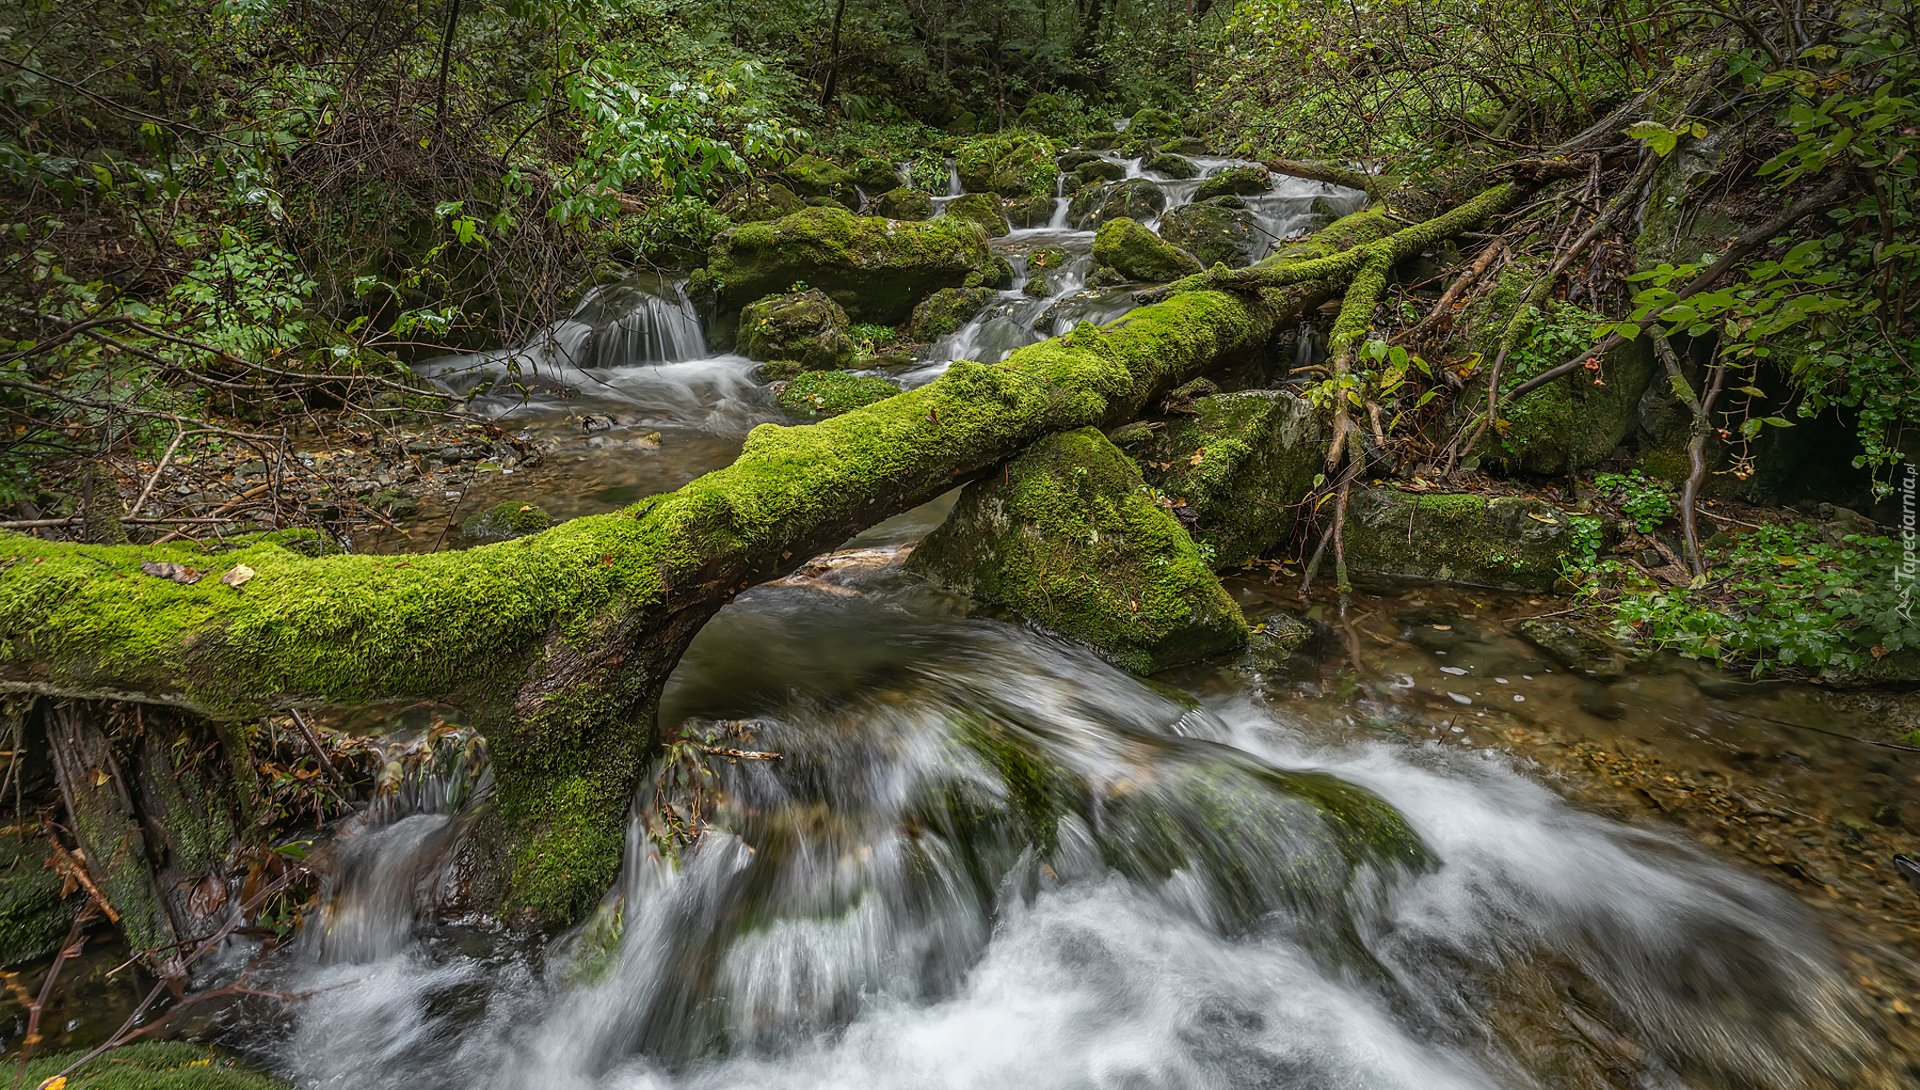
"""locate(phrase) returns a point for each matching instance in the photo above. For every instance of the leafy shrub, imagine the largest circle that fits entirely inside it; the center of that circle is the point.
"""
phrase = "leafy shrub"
(1647, 501)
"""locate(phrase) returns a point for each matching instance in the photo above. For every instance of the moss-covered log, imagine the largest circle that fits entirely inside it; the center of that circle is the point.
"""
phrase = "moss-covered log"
(558, 643)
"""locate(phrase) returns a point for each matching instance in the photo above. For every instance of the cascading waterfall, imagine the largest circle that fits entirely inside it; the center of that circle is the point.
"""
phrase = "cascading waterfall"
(985, 858)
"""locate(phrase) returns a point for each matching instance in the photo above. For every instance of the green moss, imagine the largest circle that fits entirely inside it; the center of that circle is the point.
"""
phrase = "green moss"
(1212, 234)
(1095, 170)
(34, 917)
(875, 268)
(945, 311)
(1138, 254)
(805, 327)
(1153, 123)
(906, 204)
(1513, 542)
(812, 176)
(759, 203)
(1070, 536)
(154, 1065)
(1173, 166)
(1023, 212)
(1015, 163)
(980, 208)
(507, 520)
(1136, 198)
(830, 393)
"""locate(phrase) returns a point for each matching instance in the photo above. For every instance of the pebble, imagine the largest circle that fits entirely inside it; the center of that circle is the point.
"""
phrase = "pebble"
(1459, 698)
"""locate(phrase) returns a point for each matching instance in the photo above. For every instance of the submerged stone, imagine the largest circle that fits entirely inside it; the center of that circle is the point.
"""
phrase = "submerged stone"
(507, 520)
(945, 311)
(805, 327)
(1239, 182)
(1136, 253)
(830, 393)
(1211, 233)
(1462, 539)
(1574, 647)
(1070, 537)
(1241, 463)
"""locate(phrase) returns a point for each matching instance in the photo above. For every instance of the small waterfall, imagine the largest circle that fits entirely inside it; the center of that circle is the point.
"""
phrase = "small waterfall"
(954, 188)
(638, 320)
(1308, 348)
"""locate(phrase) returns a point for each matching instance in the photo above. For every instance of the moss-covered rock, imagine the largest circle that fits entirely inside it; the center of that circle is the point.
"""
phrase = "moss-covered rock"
(761, 202)
(945, 311)
(812, 176)
(1096, 170)
(1070, 537)
(1044, 266)
(875, 268)
(1241, 462)
(1214, 234)
(980, 208)
(876, 174)
(902, 203)
(1510, 542)
(34, 917)
(1045, 113)
(1239, 182)
(1173, 166)
(830, 393)
(154, 1065)
(1134, 252)
(805, 327)
(1071, 161)
(1029, 211)
(1150, 123)
(1186, 145)
(505, 520)
(1135, 198)
(1015, 163)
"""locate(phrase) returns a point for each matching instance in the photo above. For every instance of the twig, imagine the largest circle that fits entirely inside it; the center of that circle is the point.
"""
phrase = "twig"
(313, 740)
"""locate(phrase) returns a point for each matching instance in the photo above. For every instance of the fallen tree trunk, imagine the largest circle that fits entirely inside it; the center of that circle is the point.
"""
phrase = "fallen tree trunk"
(558, 644)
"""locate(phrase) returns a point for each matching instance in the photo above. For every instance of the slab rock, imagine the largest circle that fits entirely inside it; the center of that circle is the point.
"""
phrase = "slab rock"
(1241, 463)
(1463, 539)
(1069, 536)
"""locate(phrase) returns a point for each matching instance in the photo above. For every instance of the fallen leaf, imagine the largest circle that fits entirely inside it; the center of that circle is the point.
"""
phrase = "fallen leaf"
(58, 1082)
(1443, 627)
(1198, 457)
(208, 897)
(237, 575)
(100, 777)
(166, 569)
(1543, 518)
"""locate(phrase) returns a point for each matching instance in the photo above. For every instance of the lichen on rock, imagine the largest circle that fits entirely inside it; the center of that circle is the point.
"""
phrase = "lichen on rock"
(1070, 536)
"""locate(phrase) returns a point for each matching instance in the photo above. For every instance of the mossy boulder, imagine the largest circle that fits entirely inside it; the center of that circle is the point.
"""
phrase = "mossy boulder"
(1072, 160)
(1136, 253)
(154, 1065)
(812, 176)
(1135, 198)
(1239, 182)
(1015, 163)
(1029, 211)
(1186, 145)
(876, 174)
(902, 203)
(945, 311)
(1173, 166)
(830, 393)
(805, 327)
(875, 268)
(1070, 537)
(980, 208)
(1044, 266)
(34, 917)
(1045, 112)
(1241, 462)
(1152, 123)
(761, 202)
(507, 520)
(1214, 234)
(1462, 539)
(1099, 170)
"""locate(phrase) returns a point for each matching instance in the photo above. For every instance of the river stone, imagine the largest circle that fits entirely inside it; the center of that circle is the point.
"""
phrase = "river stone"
(1067, 536)
(945, 311)
(979, 208)
(1173, 166)
(507, 520)
(1151, 123)
(1012, 164)
(906, 204)
(875, 268)
(1187, 145)
(1461, 539)
(1071, 161)
(1574, 647)
(830, 393)
(1135, 198)
(1211, 233)
(812, 176)
(1239, 182)
(1136, 253)
(1241, 463)
(1099, 170)
(1029, 211)
(805, 327)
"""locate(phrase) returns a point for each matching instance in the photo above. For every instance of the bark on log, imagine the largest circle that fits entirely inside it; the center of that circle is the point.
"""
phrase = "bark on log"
(558, 644)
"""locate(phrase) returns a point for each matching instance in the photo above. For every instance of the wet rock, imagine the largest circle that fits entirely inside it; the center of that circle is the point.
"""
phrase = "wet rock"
(945, 311)
(812, 176)
(1100, 141)
(1029, 211)
(1172, 166)
(1275, 640)
(905, 204)
(1186, 145)
(875, 268)
(1068, 537)
(760, 203)
(1000, 273)
(805, 327)
(1886, 814)
(1241, 462)
(1099, 170)
(1011, 164)
(979, 208)
(507, 520)
(1462, 539)
(1239, 182)
(1131, 250)
(830, 393)
(1136, 199)
(1071, 161)
(1043, 266)
(876, 175)
(1211, 233)
(1574, 647)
